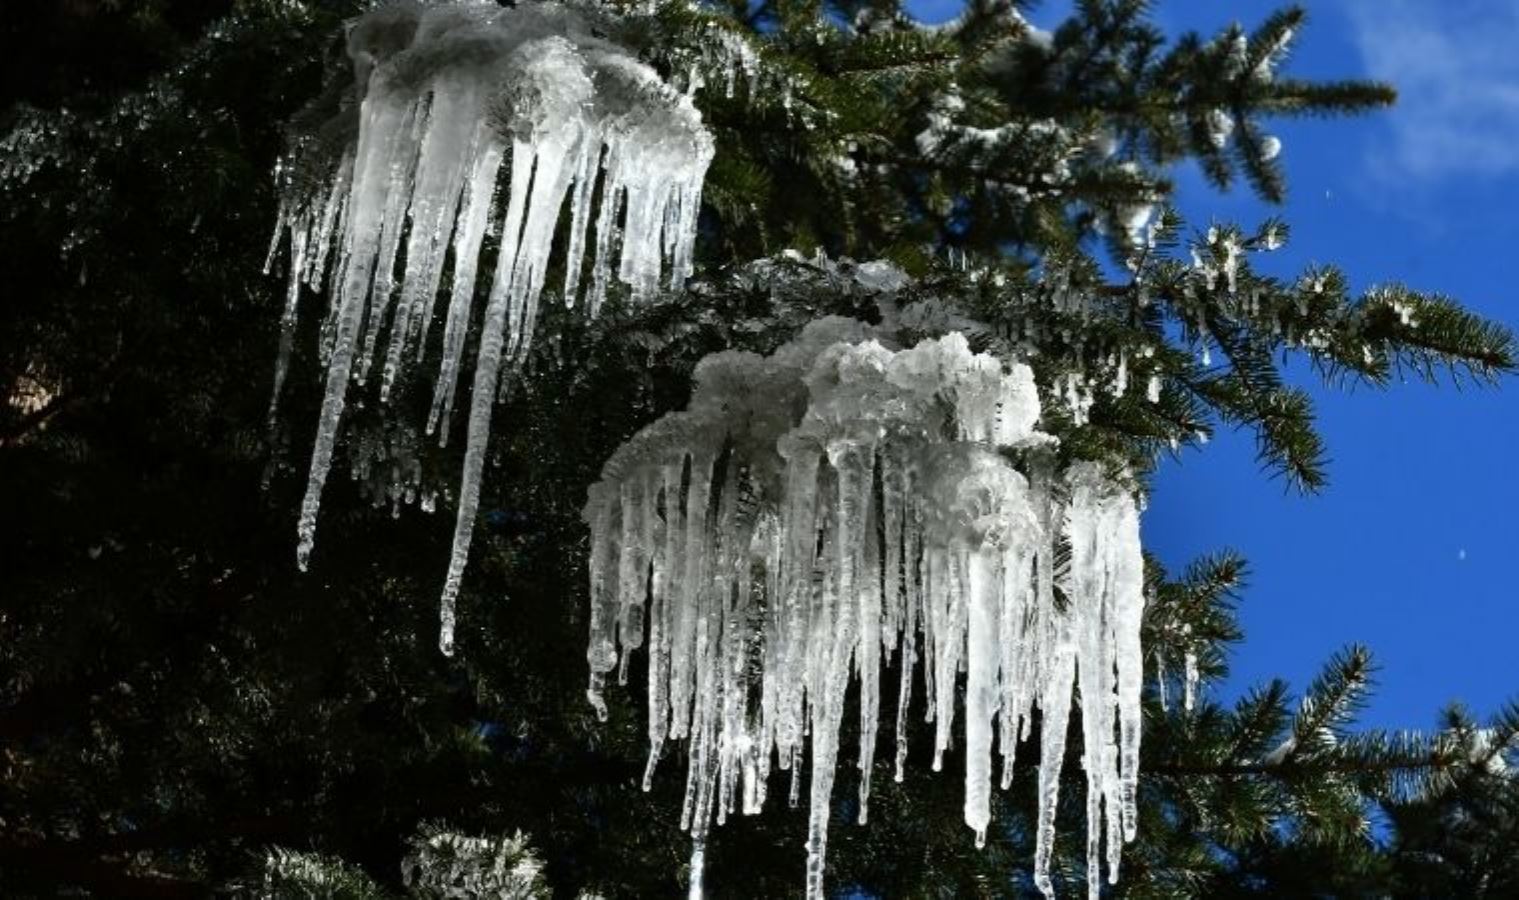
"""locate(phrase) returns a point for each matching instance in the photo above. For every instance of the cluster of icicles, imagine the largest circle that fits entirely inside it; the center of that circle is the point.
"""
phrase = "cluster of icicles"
(452, 99)
(812, 513)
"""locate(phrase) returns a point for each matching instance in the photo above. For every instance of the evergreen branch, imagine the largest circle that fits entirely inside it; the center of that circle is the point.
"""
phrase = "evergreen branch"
(1282, 417)
(290, 873)
(1295, 769)
(1259, 717)
(1402, 765)
(1212, 579)
(1271, 39)
(1262, 170)
(1336, 695)
(89, 388)
(895, 51)
(1178, 418)
(1325, 98)
(54, 865)
(1428, 332)
(1503, 735)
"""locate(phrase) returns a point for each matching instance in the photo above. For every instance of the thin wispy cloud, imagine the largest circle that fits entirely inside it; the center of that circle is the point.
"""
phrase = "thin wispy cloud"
(1455, 64)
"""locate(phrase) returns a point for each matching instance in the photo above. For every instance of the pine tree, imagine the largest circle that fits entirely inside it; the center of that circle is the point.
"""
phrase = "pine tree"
(181, 709)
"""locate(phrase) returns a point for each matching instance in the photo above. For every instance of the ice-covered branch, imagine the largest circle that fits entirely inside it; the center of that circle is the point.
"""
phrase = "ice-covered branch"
(475, 121)
(817, 510)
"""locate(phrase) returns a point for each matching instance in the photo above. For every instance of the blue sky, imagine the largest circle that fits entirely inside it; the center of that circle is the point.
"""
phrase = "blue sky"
(1408, 549)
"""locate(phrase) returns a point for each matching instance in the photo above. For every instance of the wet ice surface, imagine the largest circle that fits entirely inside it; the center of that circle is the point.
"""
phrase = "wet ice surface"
(473, 120)
(815, 511)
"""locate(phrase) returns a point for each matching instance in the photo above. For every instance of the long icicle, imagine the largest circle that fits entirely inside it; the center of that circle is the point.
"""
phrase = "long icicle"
(444, 92)
(878, 514)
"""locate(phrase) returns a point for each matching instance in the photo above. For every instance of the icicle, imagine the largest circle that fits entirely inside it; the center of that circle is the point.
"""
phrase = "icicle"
(770, 480)
(1190, 678)
(1220, 128)
(445, 94)
(1160, 682)
(1055, 711)
(298, 239)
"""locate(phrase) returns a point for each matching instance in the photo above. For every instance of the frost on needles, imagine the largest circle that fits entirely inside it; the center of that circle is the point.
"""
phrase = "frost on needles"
(815, 511)
(468, 122)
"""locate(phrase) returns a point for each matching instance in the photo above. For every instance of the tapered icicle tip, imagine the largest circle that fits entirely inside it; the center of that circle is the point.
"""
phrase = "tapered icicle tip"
(595, 696)
(698, 869)
(1044, 884)
(446, 630)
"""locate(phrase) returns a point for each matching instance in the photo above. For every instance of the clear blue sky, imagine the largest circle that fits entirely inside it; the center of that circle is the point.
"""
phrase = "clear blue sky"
(1409, 548)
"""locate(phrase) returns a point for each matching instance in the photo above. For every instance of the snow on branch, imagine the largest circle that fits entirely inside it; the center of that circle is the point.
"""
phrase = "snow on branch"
(448, 865)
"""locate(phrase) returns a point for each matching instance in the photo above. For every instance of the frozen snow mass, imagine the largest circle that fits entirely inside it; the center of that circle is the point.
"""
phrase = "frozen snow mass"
(849, 506)
(816, 511)
(466, 120)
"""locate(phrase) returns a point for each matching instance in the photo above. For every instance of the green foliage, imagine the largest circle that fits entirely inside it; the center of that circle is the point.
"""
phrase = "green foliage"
(1461, 836)
(439, 864)
(442, 864)
(311, 876)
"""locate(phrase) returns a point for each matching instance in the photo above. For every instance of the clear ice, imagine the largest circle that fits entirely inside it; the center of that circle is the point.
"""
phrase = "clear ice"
(813, 513)
(476, 120)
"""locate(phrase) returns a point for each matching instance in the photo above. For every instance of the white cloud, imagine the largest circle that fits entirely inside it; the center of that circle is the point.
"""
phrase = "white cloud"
(1455, 64)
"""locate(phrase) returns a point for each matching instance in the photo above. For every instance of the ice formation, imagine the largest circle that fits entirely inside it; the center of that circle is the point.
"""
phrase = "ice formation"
(812, 513)
(1220, 127)
(475, 121)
